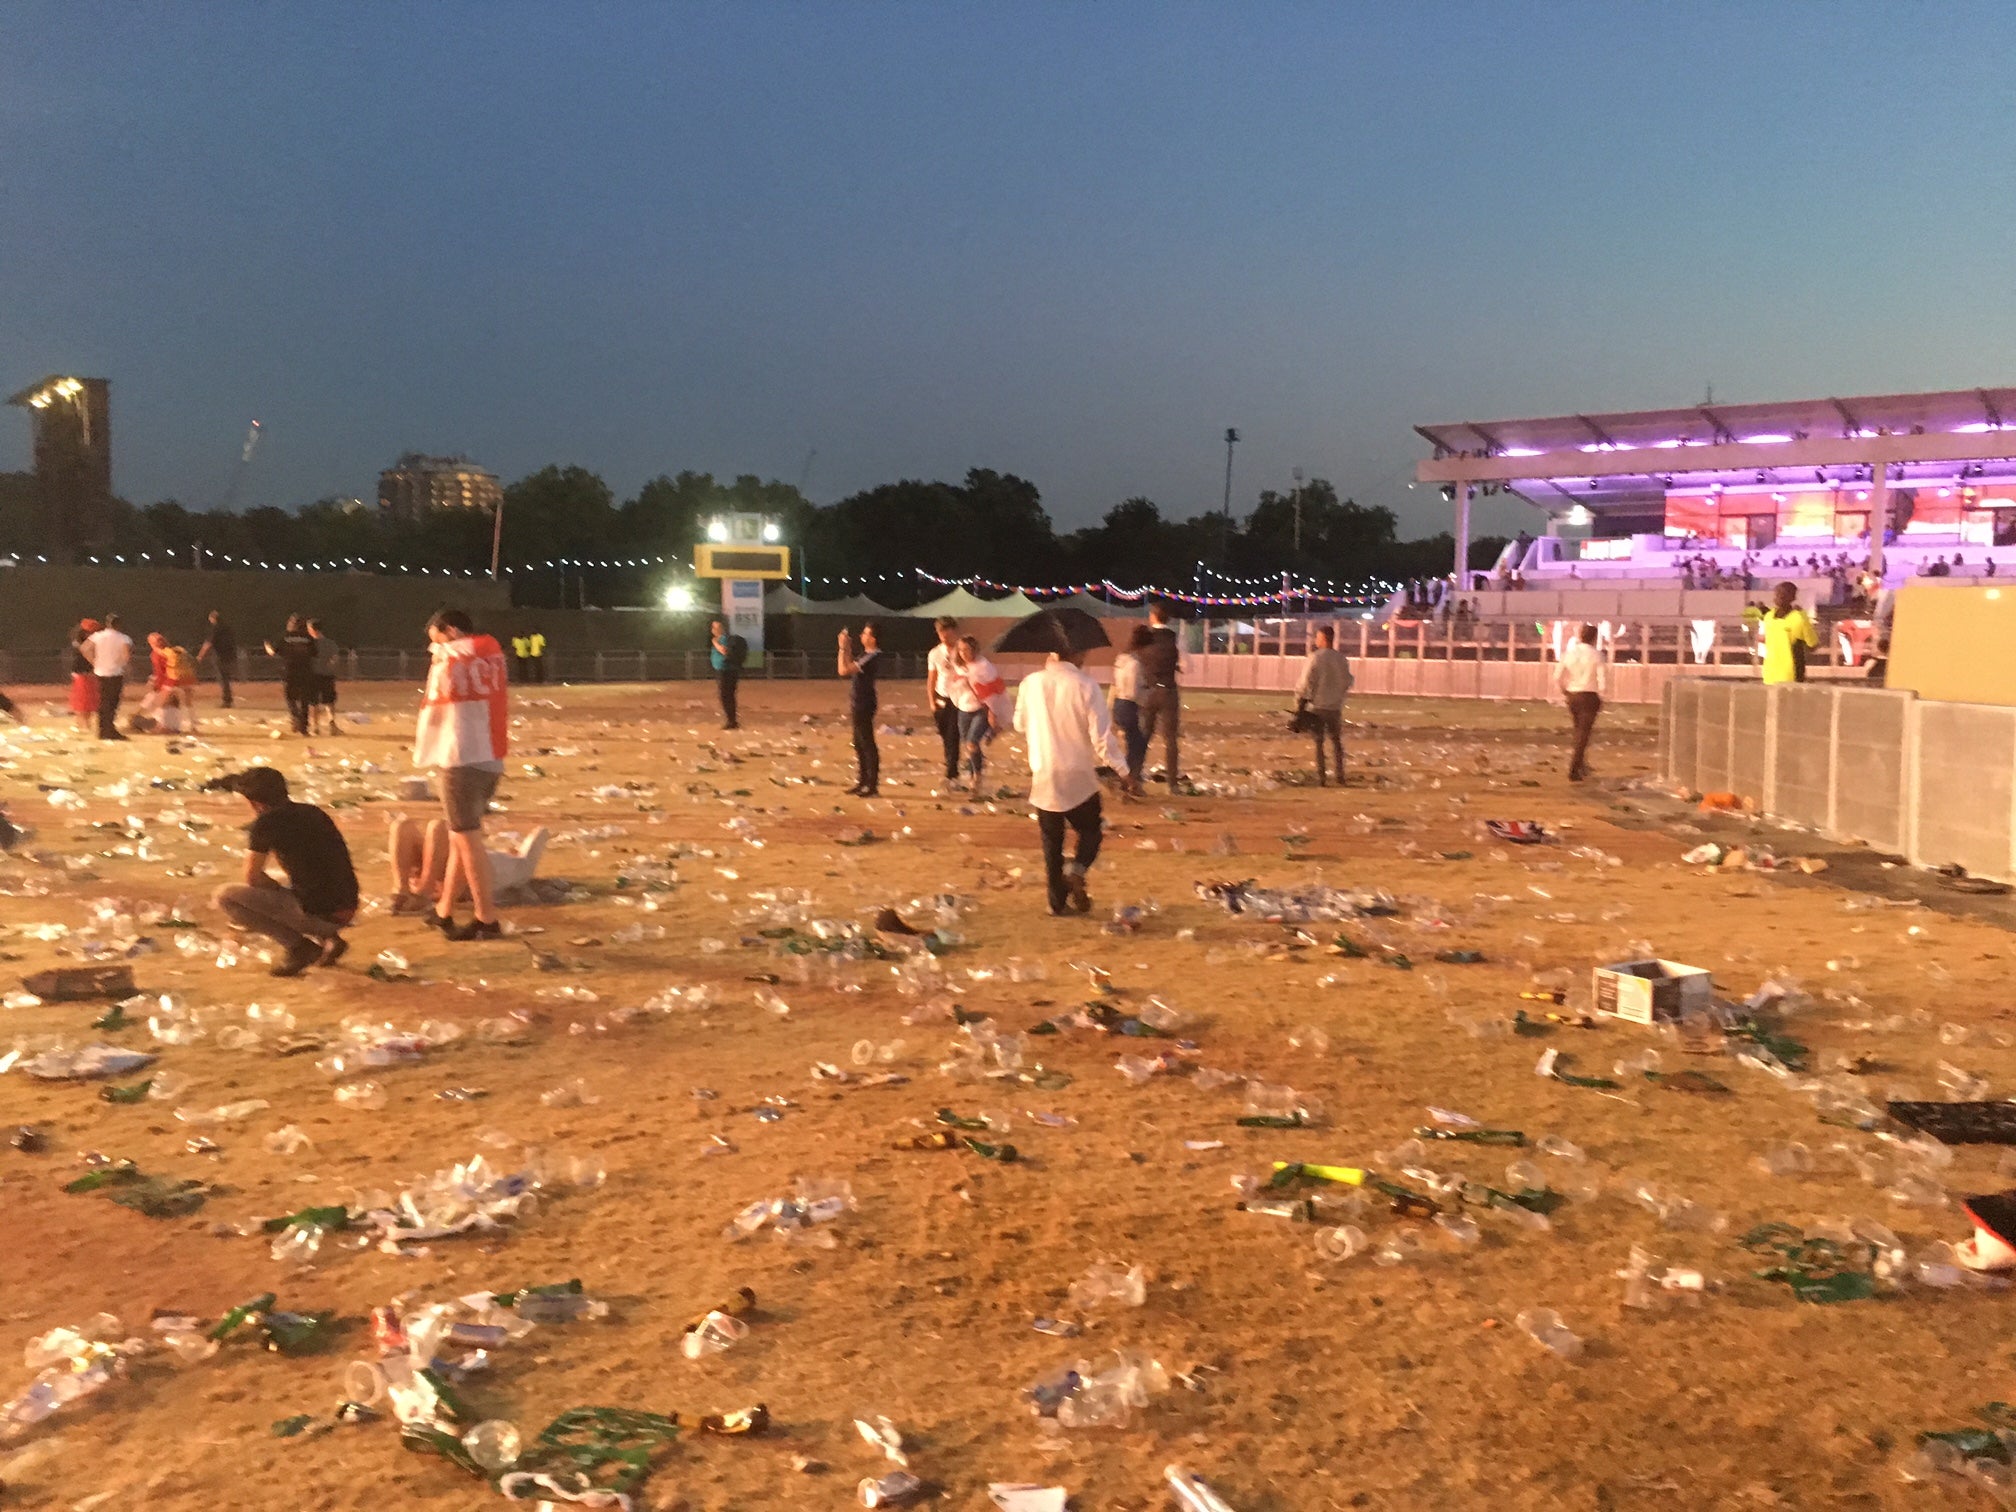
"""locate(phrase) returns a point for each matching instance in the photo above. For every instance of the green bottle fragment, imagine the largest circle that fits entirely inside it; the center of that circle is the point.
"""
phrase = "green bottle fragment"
(115, 1019)
(235, 1319)
(1007, 1154)
(137, 1092)
(947, 1116)
(289, 1427)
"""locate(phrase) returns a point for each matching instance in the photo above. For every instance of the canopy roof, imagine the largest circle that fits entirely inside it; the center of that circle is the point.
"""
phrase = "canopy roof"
(1618, 460)
(963, 605)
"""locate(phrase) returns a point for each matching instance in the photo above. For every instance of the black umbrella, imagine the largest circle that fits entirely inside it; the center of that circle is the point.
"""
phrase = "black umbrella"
(1056, 629)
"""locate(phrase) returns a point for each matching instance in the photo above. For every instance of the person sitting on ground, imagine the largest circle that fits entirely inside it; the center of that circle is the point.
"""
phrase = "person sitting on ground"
(307, 914)
(419, 857)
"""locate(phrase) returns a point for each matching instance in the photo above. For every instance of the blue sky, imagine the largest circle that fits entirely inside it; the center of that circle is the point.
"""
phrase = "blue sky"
(1070, 241)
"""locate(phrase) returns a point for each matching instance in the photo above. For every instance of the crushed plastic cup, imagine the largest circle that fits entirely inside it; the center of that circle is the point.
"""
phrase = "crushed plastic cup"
(572, 1093)
(1106, 1282)
(1341, 1243)
(1309, 1039)
(286, 1141)
(713, 1334)
(1544, 1327)
(494, 1444)
(366, 1095)
(1460, 1227)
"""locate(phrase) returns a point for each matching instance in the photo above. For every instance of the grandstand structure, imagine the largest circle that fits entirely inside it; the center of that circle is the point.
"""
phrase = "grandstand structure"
(1685, 513)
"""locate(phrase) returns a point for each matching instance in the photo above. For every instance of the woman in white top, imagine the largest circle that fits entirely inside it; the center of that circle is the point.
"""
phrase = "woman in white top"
(979, 692)
(1127, 707)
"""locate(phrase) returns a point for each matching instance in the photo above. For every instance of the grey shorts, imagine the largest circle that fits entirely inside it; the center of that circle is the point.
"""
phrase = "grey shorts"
(465, 796)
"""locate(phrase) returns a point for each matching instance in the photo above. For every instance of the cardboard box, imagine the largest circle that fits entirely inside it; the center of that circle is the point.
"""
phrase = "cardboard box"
(1652, 992)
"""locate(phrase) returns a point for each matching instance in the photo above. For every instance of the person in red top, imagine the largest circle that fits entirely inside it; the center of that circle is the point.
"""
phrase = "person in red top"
(171, 680)
(462, 736)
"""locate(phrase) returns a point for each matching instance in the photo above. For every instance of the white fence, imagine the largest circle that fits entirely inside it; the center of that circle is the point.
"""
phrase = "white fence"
(1934, 781)
(1629, 682)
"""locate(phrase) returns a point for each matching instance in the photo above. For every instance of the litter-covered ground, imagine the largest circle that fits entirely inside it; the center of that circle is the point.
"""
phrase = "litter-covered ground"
(1293, 1165)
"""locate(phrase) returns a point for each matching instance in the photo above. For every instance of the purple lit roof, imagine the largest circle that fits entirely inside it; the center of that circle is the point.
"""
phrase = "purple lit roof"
(1671, 431)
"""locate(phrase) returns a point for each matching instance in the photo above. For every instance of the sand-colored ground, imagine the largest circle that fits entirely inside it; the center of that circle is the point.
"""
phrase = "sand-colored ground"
(1323, 1385)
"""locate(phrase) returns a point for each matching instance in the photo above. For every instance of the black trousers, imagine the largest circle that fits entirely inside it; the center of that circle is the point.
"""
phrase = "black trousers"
(224, 681)
(1162, 709)
(110, 690)
(947, 715)
(728, 680)
(538, 664)
(1583, 709)
(1087, 823)
(867, 758)
(1329, 725)
(300, 693)
(521, 669)
(7, 707)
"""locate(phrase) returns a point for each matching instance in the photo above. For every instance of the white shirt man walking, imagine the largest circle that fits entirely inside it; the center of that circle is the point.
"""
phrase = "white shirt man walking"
(1062, 717)
(109, 651)
(1580, 677)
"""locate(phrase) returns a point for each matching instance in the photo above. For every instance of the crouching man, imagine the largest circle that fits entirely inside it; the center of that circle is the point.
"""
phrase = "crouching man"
(307, 914)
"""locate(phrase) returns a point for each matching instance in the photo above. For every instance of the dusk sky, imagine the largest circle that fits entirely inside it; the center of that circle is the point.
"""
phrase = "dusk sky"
(1073, 242)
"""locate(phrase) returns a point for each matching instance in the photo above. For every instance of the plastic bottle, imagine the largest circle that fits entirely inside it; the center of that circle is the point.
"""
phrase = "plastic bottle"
(1192, 1492)
(1544, 1327)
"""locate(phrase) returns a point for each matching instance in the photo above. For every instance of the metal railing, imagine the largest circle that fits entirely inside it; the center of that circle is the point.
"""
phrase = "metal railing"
(386, 664)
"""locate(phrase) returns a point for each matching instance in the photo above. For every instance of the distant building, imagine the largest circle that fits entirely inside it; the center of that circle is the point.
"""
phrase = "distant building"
(416, 484)
(72, 420)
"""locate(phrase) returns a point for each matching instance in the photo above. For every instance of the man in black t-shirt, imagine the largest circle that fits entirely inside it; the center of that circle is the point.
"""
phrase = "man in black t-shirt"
(308, 913)
(220, 642)
(862, 703)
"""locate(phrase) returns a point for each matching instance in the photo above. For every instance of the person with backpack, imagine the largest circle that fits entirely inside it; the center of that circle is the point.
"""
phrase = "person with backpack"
(727, 653)
(296, 651)
(171, 684)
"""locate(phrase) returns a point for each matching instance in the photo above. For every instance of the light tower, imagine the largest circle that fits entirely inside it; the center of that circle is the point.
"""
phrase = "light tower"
(743, 550)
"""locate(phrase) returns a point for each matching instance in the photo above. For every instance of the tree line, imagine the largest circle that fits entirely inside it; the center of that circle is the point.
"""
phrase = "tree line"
(990, 524)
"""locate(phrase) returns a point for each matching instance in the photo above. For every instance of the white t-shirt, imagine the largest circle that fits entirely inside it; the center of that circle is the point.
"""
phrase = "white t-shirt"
(976, 685)
(942, 673)
(109, 652)
(1127, 677)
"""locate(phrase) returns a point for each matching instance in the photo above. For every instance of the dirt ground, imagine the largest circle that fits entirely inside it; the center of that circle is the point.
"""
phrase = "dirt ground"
(1318, 1384)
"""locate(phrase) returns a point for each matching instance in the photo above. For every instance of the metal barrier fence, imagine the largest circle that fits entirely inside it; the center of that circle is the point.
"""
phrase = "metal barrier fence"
(1931, 780)
(374, 664)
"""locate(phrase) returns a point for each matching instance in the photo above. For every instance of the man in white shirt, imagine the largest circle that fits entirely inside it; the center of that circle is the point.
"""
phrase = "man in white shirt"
(1580, 678)
(109, 651)
(1062, 717)
(940, 674)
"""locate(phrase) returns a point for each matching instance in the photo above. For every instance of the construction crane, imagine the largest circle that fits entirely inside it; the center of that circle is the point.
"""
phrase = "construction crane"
(244, 465)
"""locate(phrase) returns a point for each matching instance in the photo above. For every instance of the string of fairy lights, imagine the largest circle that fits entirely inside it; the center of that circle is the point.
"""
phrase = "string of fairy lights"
(1213, 588)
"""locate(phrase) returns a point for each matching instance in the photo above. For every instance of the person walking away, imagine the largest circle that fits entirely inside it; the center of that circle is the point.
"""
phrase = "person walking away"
(1580, 677)
(535, 654)
(171, 684)
(296, 651)
(939, 671)
(1319, 697)
(307, 915)
(328, 663)
(1127, 708)
(521, 658)
(860, 668)
(976, 688)
(727, 653)
(1161, 703)
(462, 735)
(1788, 636)
(83, 684)
(110, 652)
(1064, 723)
(220, 643)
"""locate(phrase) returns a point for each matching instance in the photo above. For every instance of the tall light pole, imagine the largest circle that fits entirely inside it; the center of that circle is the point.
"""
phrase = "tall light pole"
(1225, 523)
(1297, 496)
(497, 545)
